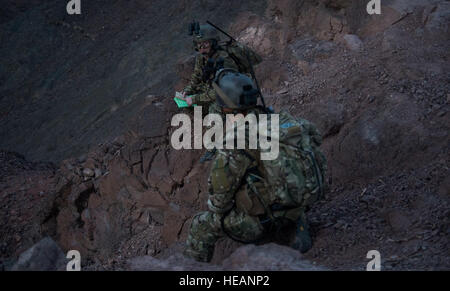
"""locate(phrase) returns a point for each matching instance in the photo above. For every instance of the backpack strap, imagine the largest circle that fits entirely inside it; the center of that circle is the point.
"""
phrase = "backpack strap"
(223, 96)
(319, 179)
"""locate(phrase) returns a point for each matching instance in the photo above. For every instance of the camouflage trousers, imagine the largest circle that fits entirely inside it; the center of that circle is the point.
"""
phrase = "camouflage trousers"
(206, 229)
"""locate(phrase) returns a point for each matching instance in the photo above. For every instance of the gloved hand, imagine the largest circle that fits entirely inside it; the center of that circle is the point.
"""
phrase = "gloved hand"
(189, 100)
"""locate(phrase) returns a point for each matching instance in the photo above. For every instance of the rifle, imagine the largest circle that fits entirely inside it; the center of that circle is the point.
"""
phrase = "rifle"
(252, 72)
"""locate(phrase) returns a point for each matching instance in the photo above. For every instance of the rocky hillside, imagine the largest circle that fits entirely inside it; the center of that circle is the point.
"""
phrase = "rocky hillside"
(91, 93)
(69, 82)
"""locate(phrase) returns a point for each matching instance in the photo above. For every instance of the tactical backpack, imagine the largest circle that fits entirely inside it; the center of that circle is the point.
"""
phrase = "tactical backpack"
(296, 177)
(241, 56)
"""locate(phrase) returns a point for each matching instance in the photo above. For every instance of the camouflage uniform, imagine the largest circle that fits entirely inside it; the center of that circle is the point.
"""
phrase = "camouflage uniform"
(237, 203)
(204, 94)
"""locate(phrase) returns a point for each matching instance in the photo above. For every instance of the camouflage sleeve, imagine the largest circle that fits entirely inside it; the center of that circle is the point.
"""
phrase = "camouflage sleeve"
(196, 78)
(225, 179)
(205, 98)
(312, 130)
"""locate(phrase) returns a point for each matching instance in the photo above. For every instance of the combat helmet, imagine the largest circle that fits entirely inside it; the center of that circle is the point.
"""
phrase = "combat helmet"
(235, 90)
(204, 32)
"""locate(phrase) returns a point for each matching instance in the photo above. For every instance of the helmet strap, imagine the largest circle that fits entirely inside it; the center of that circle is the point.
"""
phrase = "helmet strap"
(223, 96)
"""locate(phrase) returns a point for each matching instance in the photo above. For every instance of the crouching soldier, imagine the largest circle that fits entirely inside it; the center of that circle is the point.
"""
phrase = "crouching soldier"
(252, 200)
(213, 56)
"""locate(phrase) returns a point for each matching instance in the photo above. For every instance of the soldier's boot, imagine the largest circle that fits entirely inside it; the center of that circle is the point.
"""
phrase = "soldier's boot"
(202, 237)
(208, 156)
(302, 241)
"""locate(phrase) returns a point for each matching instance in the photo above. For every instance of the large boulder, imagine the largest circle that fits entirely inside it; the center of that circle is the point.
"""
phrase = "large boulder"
(45, 255)
(353, 42)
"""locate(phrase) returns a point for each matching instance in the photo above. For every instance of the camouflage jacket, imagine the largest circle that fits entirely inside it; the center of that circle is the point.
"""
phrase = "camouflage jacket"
(204, 93)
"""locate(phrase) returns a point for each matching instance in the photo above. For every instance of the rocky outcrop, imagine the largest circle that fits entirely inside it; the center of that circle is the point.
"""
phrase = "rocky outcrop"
(45, 255)
(136, 185)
